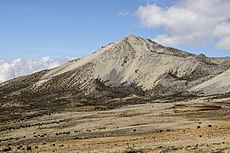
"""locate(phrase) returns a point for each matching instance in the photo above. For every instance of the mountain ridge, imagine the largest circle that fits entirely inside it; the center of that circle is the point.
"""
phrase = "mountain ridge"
(130, 51)
(129, 66)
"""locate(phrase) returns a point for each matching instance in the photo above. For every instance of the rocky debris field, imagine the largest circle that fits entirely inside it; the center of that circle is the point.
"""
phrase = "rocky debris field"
(195, 125)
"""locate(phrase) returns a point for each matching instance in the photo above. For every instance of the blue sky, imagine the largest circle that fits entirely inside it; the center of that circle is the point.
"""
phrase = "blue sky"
(55, 28)
(32, 29)
(41, 34)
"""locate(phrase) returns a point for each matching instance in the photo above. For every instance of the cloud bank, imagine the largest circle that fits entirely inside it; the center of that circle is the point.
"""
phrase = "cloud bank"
(18, 67)
(189, 22)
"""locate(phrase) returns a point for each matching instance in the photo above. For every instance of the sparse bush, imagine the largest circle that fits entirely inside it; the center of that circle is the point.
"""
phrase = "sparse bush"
(29, 148)
(61, 145)
(6, 149)
(133, 150)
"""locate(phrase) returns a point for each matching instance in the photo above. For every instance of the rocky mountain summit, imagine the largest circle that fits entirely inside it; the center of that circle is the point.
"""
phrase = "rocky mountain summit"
(130, 70)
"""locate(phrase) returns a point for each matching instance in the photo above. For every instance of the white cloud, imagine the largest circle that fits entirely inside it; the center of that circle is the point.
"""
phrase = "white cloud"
(13, 68)
(124, 13)
(222, 29)
(166, 39)
(189, 22)
(224, 43)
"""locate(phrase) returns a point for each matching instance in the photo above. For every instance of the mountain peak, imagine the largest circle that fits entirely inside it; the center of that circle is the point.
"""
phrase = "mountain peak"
(131, 65)
(127, 51)
(131, 36)
(134, 38)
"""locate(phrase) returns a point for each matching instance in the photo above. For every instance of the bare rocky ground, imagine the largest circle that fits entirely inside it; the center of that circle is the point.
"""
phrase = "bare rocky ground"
(195, 125)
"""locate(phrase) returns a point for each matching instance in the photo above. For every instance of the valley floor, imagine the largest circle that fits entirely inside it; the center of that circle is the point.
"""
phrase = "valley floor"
(198, 125)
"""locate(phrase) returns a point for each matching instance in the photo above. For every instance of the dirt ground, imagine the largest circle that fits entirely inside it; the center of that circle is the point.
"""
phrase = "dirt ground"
(198, 125)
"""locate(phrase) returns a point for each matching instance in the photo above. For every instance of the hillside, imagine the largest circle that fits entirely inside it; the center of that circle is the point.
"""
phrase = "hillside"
(131, 67)
(220, 84)
(133, 95)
